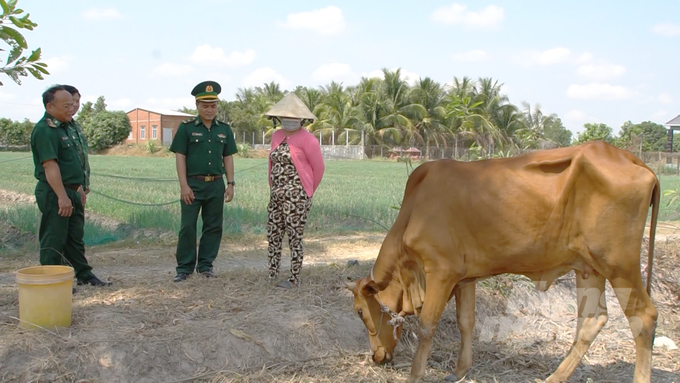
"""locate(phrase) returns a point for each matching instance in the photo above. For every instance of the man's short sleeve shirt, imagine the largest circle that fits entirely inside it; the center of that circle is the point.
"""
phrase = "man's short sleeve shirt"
(204, 148)
(50, 140)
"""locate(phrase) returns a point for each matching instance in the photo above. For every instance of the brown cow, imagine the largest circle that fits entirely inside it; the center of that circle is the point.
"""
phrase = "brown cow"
(542, 215)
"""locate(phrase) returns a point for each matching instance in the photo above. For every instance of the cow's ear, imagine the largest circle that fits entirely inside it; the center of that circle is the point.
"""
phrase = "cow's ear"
(350, 286)
(370, 288)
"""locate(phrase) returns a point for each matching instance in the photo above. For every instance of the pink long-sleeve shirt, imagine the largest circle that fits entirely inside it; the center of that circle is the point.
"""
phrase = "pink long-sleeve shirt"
(306, 155)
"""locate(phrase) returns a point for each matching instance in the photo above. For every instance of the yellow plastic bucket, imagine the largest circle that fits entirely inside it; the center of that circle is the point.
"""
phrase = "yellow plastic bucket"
(45, 294)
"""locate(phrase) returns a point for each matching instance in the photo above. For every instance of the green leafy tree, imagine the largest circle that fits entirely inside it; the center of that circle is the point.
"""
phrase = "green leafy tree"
(103, 128)
(15, 133)
(339, 115)
(557, 133)
(85, 114)
(17, 64)
(100, 105)
(595, 132)
(429, 126)
(107, 129)
(646, 136)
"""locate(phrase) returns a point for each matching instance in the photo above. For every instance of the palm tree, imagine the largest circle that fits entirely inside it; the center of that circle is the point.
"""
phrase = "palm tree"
(398, 110)
(365, 97)
(335, 112)
(430, 126)
(272, 91)
(470, 123)
(310, 97)
(468, 111)
(535, 122)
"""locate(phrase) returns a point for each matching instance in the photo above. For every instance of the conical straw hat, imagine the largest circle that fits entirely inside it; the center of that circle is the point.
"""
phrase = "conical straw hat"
(291, 107)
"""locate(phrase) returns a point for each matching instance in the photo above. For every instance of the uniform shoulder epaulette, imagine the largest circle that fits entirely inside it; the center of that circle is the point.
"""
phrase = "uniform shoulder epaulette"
(223, 122)
(188, 120)
(51, 123)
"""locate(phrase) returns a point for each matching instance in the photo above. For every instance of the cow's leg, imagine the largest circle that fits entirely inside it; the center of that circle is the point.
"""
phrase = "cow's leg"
(439, 289)
(465, 316)
(641, 315)
(592, 316)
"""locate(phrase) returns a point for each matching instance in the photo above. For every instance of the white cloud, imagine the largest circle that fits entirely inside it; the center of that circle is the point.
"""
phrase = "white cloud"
(57, 65)
(334, 72)
(666, 29)
(96, 14)
(585, 58)
(170, 69)
(575, 116)
(262, 76)
(665, 98)
(575, 119)
(458, 14)
(410, 77)
(205, 54)
(326, 21)
(549, 57)
(376, 73)
(598, 91)
(600, 71)
(471, 56)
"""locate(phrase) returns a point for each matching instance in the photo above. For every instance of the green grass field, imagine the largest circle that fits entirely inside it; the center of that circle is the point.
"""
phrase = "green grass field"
(354, 195)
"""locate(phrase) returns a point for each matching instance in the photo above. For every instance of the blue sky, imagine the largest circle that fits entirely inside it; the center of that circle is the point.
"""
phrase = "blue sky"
(586, 61)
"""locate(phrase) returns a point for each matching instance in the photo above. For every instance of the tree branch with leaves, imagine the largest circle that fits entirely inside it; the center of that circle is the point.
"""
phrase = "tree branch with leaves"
(18, 65)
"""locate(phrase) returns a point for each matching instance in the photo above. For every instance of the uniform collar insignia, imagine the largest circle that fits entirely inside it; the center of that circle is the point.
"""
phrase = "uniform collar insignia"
(51, 122)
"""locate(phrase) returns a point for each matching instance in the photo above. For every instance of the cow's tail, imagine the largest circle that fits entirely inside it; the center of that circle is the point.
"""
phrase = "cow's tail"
(656, 196)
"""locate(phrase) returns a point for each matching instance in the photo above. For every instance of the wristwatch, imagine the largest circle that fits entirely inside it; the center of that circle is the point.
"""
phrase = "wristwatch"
(232, 183)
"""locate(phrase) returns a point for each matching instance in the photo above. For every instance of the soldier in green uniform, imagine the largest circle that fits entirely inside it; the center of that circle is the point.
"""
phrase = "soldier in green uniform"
(59, 192)
(80, 141)
(203, 148)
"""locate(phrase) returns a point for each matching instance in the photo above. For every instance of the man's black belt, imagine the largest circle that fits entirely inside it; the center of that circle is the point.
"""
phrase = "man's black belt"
(207, 178)
(72, 186)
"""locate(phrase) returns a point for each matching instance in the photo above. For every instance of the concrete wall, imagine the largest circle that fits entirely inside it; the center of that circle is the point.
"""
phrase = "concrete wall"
(333, 152)
(343, 152)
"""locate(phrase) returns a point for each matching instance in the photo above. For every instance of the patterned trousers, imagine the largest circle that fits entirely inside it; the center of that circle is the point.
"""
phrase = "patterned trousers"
(288, 210)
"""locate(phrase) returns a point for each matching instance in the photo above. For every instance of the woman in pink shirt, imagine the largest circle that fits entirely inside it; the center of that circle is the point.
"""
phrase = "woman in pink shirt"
(295, 171)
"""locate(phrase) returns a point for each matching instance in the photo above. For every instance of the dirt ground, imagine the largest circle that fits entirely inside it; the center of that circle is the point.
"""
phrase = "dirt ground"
(240, 328)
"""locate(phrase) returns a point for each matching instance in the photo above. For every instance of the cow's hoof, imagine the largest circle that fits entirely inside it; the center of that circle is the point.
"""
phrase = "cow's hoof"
(453, 378)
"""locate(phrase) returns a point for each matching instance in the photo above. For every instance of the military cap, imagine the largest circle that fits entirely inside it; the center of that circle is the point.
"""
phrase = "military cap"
(206, 91)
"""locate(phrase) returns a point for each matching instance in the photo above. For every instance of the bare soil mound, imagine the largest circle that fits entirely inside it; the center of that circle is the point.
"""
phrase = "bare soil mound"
(240, 328)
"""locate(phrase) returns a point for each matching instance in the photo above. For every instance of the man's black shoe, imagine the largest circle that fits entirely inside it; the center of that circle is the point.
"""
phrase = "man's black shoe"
(94, 281)
(208, 274)
(180, 277)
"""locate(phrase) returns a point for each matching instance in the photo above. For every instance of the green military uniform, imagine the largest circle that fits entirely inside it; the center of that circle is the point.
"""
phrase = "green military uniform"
(204, 149)
(76, 131)
(61, 238)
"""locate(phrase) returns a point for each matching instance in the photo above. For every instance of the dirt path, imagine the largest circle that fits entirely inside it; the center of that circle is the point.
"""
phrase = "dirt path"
(239, 328)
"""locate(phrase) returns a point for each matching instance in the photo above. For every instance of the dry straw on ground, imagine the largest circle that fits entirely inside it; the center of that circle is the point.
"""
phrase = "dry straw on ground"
(240, 328)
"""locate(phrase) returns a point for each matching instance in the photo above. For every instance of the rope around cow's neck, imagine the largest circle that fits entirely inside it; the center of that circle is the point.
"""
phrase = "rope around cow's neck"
(396, 319)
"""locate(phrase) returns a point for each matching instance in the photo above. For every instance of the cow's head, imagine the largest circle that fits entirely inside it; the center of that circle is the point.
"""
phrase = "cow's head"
(367, 301)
